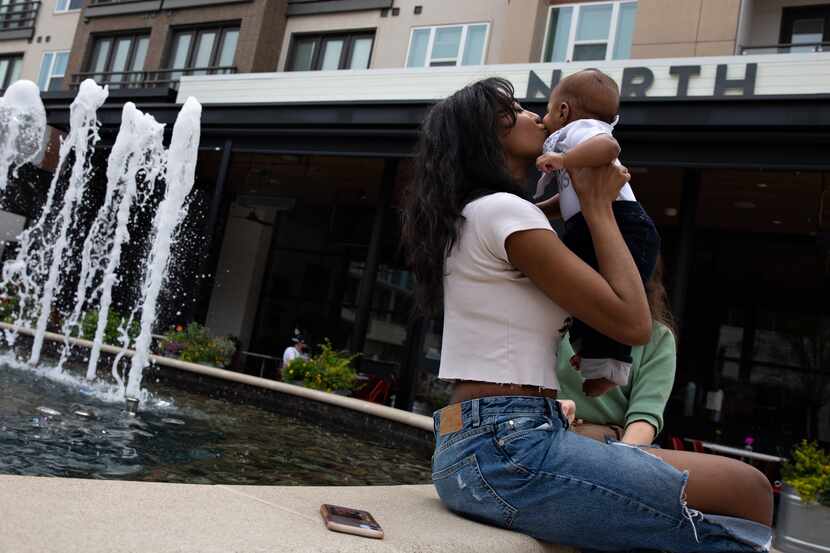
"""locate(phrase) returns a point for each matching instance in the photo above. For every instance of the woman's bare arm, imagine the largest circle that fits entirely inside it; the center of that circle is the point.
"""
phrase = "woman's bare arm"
(612, 301)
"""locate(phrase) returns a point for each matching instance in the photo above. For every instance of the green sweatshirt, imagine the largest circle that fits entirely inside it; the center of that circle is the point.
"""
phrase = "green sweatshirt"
(642, 399)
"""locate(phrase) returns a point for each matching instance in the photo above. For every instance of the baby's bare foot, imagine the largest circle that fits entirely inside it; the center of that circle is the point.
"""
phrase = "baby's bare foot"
(597, 386)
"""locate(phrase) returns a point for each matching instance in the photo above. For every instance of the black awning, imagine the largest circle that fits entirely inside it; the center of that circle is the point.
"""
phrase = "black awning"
(741, 132)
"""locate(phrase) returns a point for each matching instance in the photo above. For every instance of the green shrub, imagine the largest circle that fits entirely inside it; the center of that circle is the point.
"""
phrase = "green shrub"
(194, 344)
(8, 308)
(112, 335)
(297, 368)
(329, 370)
(809, 473)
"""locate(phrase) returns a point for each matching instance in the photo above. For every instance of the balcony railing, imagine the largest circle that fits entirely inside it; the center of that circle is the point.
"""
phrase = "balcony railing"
(162, 78)
(102, 8)
(786, 48)
(17, 20)
(110, 2)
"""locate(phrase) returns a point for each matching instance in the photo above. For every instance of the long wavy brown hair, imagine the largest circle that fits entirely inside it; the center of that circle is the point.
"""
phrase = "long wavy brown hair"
(658, 299)
(459, 157)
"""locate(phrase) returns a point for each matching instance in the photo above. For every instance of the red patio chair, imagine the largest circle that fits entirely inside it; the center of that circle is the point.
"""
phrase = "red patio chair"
(677, 443)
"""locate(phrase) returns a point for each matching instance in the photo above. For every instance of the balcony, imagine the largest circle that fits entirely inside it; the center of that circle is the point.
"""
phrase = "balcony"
(163, 78)
(765, 27)
(17, 20)
(797, 48)
(317, 7)
(103, 8)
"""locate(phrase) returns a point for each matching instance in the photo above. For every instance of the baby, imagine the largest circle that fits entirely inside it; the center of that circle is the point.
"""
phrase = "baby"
(582, 112)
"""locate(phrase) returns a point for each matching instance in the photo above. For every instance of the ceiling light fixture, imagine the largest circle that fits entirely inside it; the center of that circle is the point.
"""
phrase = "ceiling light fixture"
(671, 211)
(776, 221)
(762, 185)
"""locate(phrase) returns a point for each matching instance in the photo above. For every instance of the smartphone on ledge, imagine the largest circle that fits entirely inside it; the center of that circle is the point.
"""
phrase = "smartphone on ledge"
(351, 521)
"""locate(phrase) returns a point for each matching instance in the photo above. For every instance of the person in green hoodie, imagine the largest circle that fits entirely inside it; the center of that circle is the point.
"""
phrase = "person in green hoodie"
(632, 413)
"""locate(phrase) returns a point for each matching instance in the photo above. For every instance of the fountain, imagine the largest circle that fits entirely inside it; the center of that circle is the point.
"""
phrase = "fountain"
(22, 127)
(138, 163)
(54, 423)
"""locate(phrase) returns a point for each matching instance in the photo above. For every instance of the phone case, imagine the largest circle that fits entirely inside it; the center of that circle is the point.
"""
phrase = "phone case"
(350, 521)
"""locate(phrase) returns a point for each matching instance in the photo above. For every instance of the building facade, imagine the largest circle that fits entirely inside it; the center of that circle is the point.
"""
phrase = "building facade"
(35, 41)
(307, 144)
(152, 44)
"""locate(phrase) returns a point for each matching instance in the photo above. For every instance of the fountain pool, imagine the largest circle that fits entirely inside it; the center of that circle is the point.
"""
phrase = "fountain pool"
(184, 437)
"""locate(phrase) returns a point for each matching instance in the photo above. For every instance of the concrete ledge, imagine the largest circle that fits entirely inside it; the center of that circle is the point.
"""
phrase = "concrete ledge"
(64, 515)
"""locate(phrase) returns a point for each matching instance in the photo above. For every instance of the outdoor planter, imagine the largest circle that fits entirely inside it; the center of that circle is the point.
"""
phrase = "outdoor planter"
(801, 527)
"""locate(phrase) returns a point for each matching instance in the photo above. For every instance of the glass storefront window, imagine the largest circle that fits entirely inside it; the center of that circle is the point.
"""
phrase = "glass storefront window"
(729, 351)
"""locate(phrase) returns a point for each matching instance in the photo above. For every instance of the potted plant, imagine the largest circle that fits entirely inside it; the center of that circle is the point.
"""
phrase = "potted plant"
(329, 370)
(294, 372)
(804, 510)
(194, 344)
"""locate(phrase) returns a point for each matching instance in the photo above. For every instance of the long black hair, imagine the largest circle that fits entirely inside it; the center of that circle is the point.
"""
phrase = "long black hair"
(459, 158)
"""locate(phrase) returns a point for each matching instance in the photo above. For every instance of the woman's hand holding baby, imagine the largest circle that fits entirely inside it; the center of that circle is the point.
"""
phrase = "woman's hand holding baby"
(598, 187)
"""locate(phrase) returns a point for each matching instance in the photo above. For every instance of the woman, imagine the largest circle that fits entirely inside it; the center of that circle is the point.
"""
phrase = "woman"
(631, 413)
(503, 453)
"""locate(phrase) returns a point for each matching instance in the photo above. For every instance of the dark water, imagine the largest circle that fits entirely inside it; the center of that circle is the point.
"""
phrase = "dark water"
(194, 440)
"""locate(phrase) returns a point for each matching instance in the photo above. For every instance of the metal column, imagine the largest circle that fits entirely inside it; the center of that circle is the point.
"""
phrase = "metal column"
(685, 244)
(408, 381)
(212, 239)
(370, 272)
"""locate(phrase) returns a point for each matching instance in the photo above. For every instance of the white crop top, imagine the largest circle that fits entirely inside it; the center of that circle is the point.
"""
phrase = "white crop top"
(498, 326)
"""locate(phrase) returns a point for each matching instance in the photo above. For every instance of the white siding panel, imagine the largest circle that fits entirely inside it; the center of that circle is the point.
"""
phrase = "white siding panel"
(783, 74)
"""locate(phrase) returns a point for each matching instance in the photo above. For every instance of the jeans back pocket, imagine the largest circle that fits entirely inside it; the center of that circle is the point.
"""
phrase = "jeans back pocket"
(525, 441)
(463, 489)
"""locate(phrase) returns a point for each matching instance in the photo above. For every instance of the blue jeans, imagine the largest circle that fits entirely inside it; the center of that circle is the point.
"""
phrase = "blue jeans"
(511, 462)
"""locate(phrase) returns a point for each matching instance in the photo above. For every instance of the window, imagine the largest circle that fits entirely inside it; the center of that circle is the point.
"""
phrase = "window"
(589, 32)
(118, 59)
(809, 26)
(68, 5)
(52, 70)
(447, 46)
(330, 51)
(202, 51)
(10, 70)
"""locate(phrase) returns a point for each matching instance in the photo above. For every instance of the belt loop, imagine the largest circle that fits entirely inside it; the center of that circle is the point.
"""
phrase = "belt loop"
(474, 412)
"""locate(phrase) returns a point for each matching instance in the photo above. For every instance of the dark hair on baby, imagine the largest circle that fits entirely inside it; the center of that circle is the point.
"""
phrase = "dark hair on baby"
(591, 94)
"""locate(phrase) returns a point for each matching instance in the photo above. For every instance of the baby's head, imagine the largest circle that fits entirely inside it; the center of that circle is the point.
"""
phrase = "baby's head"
(588, 94)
